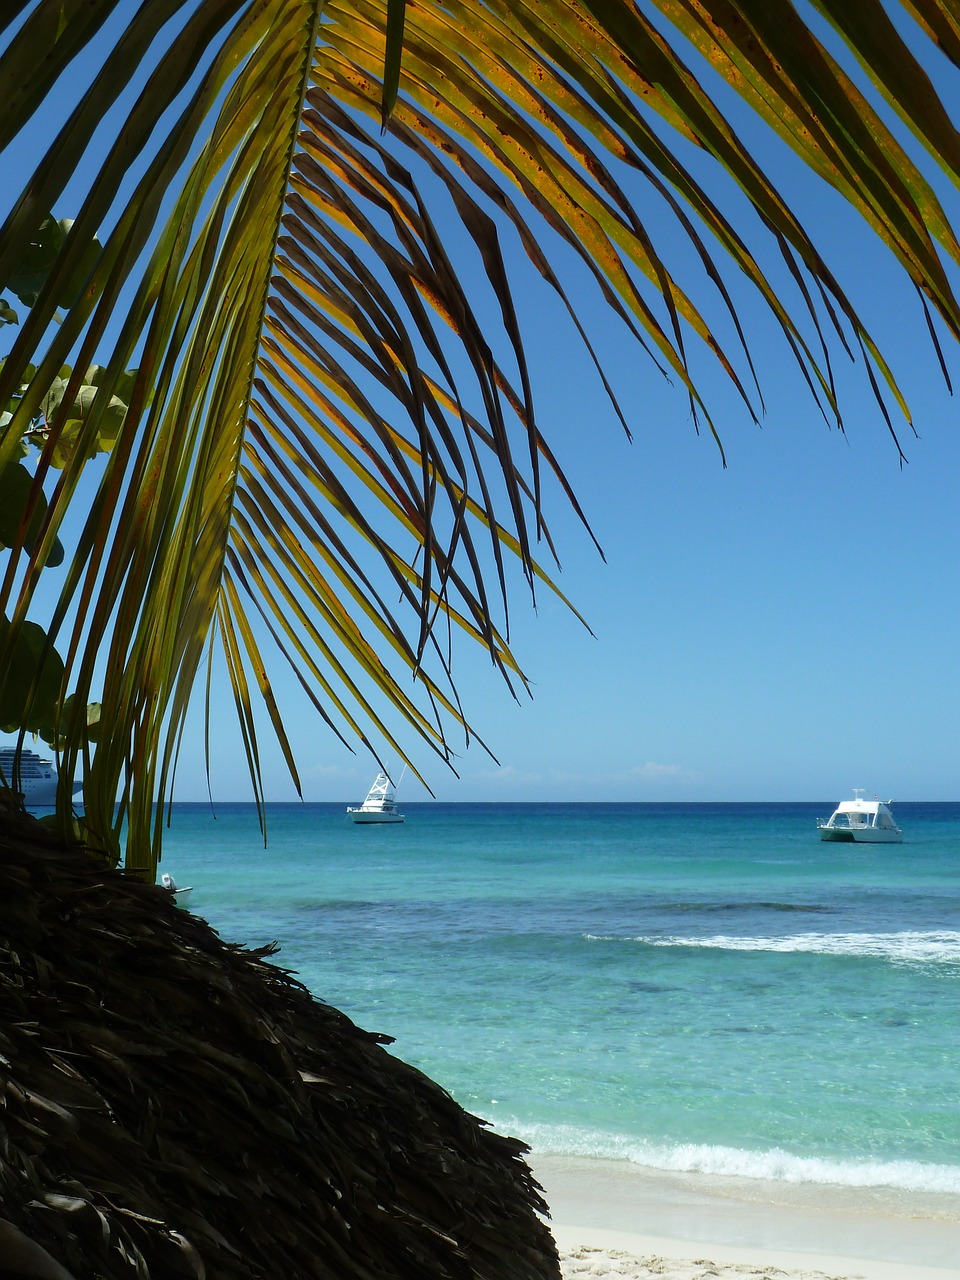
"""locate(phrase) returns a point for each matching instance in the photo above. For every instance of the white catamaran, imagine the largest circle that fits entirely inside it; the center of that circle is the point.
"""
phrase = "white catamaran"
(863, 821)
(380, 804)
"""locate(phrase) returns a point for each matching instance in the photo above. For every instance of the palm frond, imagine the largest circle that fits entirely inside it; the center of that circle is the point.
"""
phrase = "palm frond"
(323, 413)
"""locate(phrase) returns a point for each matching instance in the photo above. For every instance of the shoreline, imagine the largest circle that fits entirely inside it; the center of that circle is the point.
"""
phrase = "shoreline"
(612, 1218)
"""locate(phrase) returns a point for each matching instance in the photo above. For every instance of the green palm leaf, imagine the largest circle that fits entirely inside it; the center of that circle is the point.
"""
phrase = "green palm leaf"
(319, 416)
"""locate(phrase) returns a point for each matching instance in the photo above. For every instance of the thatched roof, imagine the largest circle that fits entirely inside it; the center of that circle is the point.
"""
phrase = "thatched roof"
(175, 1106)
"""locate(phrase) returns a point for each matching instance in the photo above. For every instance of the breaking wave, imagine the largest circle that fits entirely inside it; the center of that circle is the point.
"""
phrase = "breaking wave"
(916, 947)
(771, 1166)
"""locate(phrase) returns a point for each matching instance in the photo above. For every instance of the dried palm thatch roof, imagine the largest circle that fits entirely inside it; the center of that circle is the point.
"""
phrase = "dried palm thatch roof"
(173, 1105)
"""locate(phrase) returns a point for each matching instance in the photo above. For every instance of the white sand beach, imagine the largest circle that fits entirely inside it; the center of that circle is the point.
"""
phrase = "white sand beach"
(612, 1219)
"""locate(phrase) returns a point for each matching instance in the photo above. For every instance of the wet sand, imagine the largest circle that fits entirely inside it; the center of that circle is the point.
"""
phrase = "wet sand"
(613, 1219)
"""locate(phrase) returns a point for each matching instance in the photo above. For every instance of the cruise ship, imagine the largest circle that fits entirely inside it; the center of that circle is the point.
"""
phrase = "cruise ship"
(36, 780)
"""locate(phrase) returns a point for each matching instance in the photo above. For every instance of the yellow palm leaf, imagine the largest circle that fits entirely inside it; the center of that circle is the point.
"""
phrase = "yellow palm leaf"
(319, 417)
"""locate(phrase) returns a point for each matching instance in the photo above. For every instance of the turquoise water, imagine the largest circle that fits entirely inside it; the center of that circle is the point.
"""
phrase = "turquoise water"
(690, 987)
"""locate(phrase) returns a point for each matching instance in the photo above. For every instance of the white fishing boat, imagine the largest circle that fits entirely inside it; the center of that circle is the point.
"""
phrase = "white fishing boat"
(31, 777)
(380, 804)
(180, 895)
(865, 821)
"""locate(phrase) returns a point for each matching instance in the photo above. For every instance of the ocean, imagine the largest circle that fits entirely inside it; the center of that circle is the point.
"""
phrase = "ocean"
(690, 987)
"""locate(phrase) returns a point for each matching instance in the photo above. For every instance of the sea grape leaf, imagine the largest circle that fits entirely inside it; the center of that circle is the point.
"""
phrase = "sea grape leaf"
(7, 409)
(56, 738)
(36, 264)
(30, 686)
(94, 710)
(16, 483)
(79, 410)
(34, 267)
(109, 420)
(123, 384)
(70, 292)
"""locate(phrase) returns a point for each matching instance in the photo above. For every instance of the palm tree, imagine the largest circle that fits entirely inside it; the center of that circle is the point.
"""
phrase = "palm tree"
(305, 408)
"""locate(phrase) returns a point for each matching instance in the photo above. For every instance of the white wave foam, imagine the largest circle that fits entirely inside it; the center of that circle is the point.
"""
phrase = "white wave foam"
(916, 947)
(771, 1166)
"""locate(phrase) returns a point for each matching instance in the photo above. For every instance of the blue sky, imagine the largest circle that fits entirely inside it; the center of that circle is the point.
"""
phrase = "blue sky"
(784, 628)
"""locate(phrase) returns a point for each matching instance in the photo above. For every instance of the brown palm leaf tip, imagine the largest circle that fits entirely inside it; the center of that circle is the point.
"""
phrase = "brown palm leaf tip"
(173, 1105)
